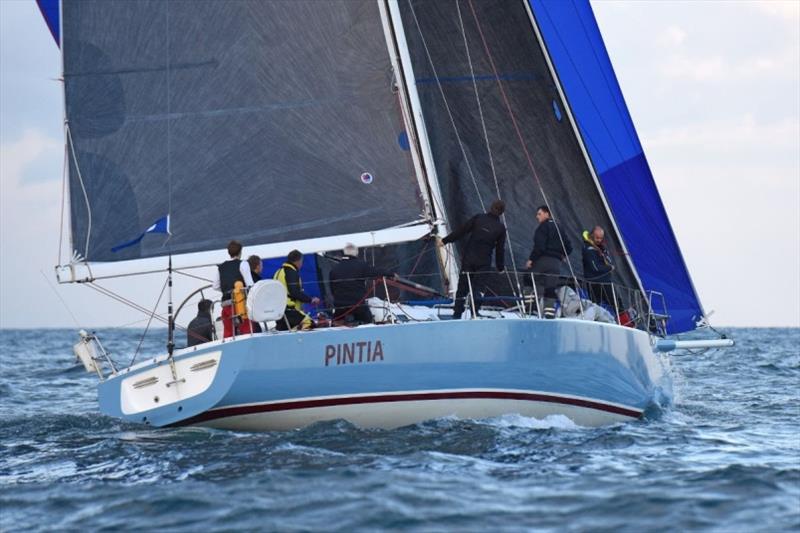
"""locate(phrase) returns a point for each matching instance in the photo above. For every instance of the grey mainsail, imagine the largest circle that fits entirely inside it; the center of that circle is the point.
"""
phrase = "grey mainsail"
(264, 121)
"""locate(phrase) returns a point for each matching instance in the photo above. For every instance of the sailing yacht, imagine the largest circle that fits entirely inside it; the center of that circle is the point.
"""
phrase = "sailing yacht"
(382, 123)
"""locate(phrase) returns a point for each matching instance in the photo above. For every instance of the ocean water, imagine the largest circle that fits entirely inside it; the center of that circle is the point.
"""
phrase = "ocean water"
(724, 456)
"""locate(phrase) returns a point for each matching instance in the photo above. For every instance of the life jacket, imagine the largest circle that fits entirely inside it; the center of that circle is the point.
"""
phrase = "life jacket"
(280, 275)
(239, 300)
(229, 274)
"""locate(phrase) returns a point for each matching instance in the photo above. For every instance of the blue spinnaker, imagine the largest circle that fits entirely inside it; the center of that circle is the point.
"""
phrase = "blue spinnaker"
(575, 45)
(51, 13)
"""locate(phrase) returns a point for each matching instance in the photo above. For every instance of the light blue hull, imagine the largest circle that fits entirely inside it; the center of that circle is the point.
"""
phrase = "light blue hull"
(392, 375)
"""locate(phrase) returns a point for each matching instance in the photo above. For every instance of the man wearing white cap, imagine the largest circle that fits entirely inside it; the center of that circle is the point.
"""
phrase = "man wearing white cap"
(348, 285)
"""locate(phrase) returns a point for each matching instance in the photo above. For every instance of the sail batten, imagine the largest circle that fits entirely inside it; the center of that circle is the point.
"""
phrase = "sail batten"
(280, 124)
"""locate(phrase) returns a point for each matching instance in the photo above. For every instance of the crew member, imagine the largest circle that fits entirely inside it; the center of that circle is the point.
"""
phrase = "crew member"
(550, 250)
(348, 285)
(255, 270)
(486, 234)
(228, 273)
(201, 328)
(289, 275)
(597, 266)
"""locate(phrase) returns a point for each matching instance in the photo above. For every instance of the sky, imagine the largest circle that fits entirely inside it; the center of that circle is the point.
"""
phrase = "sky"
(713, 88)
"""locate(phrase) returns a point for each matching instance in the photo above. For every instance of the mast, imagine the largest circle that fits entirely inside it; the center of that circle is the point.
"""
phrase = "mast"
(422, 154)
(170, 317)
(565, 103)
(65, 200)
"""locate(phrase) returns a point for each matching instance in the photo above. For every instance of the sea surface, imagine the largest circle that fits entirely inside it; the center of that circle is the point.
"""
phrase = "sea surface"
(724, 456)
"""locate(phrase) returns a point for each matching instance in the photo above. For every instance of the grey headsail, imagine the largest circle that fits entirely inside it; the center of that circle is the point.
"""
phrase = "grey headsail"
(496, 123)
(263, 121)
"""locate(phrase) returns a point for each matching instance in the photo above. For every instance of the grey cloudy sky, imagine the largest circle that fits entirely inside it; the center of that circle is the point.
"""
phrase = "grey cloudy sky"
(713, 87)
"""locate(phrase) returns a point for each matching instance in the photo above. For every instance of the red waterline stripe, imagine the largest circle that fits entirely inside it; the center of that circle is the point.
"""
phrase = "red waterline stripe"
(226, 412)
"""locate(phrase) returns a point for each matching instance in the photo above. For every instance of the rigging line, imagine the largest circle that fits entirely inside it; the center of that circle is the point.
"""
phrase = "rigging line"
(520, 137)
(107, 292)
(127, 325)
(64, 303)
(122, 301)
(85, 195)
(419, 257)
(149, 321)
(169, 124)
(63, 201)
(176, 271)
(488, 145)
(446, 105)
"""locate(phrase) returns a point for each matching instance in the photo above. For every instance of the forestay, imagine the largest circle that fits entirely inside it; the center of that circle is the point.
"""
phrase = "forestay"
(270, 122)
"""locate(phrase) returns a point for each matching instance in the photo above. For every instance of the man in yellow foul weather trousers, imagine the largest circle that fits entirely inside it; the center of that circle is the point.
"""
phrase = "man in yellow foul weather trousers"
(289, 275)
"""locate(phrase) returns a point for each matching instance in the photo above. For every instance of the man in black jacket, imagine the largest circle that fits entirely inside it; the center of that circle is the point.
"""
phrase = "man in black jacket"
(597, 266)
(201, 328)
(486, 235)
(550, 249)
(348, 285)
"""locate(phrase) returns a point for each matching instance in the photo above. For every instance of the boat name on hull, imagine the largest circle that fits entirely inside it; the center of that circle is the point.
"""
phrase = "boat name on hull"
(353, 353)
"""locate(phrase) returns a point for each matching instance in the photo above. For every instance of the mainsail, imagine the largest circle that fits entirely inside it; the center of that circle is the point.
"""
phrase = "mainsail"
(269, 122)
